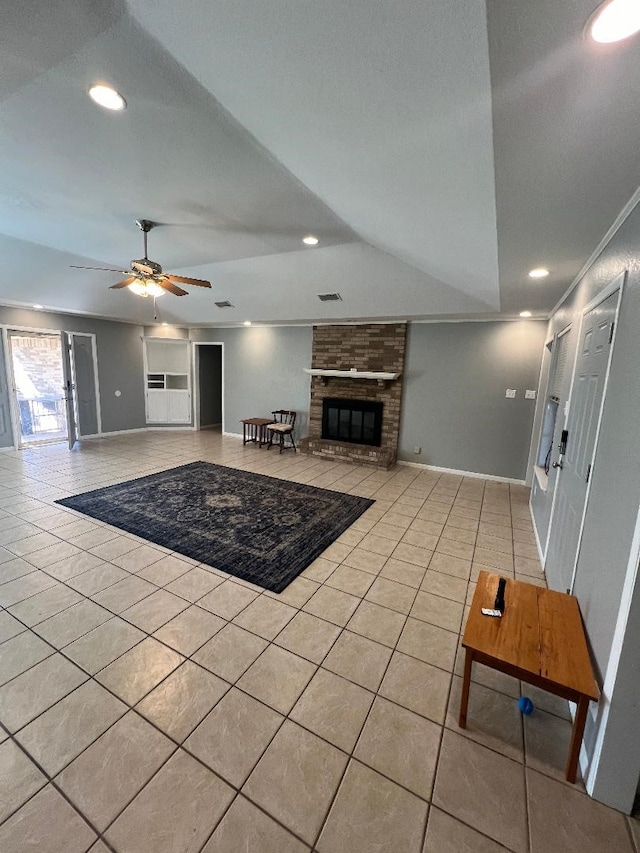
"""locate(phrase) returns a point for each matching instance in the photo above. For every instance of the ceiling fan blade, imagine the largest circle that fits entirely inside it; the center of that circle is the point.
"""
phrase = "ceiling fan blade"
(106, 269)
(172, 288)
(142, 268)
(125, 283)
(198, 282)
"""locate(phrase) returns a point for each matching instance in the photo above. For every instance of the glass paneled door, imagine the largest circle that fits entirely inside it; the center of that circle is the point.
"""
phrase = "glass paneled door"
(39, 386)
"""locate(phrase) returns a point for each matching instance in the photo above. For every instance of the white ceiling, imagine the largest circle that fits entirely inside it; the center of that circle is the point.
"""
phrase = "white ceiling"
(438, 149)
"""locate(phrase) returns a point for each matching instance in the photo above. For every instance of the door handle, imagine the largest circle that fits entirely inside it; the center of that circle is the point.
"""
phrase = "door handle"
(559, 464)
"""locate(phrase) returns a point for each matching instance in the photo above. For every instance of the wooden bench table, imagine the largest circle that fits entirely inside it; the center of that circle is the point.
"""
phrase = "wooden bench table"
(539, 639)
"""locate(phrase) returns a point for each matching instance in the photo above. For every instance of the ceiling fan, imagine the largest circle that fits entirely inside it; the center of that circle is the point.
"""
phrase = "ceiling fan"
(146, 277)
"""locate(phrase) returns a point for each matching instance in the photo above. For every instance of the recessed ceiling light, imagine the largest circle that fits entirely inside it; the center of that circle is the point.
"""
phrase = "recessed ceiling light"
(165, 324)
(37, 307)
(538, 272)
(107, 97)
(247, 322)
(525, 313)
(310, 240)
(614, 21)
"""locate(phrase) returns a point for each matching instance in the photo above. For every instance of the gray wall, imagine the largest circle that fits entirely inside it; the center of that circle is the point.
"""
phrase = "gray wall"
(120, 367)
(455, 408)
(610, 518)
(263, 371)
(210, 385)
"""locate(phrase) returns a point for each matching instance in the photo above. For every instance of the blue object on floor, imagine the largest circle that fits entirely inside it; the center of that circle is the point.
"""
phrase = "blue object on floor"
(525, 705)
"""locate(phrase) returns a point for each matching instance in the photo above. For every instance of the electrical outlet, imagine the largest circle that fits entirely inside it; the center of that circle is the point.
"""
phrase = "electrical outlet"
(417, 449)
(510, 393)
(529, 395)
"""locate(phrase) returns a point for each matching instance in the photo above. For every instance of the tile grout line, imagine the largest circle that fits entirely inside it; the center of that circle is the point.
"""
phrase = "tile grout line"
(299, 609)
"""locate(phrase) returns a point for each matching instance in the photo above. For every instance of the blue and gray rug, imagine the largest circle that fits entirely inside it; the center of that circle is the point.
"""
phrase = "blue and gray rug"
(258, 528)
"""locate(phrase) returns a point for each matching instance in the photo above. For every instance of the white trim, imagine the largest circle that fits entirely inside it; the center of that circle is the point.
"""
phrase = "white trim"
(232, 434)
(195, 363)
(7, 449)
(616, 284)
(475, 474)
(539, 409)
(122, 431)
(567, 330)
(539, 474)
(615, 653)
(541, 553)
(618, 222)
(171, 428)
(11, 388)
(38, 330)
(493, 318)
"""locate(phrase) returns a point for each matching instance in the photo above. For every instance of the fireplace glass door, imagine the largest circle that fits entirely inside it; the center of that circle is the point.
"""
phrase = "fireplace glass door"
(352, 421)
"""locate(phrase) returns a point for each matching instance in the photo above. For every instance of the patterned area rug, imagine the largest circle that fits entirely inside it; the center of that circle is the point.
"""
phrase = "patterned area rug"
(258, 528)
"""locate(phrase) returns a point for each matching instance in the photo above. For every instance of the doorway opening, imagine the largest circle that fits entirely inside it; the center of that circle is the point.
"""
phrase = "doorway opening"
(39, 387)
(209, 386)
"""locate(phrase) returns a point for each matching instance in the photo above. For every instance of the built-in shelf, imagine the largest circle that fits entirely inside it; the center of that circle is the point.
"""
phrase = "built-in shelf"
(380, 376)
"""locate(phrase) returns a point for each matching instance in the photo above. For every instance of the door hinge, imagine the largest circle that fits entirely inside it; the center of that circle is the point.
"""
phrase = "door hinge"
(586, 479)
(613, 325)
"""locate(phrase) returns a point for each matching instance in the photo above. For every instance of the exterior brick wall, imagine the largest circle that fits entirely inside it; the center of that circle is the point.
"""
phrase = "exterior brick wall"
(373, 347)
(42, 362)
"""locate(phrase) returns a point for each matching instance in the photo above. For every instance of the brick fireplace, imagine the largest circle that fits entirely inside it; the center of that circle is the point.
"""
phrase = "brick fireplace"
(373, 348)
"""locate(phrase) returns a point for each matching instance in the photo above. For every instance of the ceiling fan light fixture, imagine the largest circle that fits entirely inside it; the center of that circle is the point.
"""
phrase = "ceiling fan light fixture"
(145, 288)
(614, 21)
(107, 97)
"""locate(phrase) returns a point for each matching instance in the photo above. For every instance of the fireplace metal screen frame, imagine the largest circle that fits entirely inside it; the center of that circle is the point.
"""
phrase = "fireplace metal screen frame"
(355, 432)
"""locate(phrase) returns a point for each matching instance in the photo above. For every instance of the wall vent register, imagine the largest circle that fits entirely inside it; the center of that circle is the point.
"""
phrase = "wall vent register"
(352, 421)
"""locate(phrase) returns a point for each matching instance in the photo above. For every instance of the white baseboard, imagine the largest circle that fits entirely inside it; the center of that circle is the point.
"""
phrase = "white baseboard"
(232, 434)
(120, 432)
(169, 428)
(7, 449)
(541, 554)
(455, 471)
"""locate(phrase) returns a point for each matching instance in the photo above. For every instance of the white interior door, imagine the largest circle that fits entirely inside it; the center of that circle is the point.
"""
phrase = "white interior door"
(69, 390)
(84, 381)
(574, 460)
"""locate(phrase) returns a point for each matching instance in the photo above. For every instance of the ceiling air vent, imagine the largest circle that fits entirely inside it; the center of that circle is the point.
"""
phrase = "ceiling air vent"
(329, 297)
(225, 304)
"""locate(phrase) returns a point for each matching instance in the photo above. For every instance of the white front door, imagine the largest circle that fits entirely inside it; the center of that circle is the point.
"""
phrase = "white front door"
(574, 465)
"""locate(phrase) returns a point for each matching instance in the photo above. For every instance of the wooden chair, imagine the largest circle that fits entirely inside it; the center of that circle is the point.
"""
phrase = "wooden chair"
(283, 423)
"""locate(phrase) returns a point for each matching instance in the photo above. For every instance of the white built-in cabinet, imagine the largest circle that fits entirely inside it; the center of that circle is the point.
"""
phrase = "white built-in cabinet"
(167, 365)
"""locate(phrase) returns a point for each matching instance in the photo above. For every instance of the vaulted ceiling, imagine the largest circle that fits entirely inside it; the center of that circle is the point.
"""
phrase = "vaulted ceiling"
(439, 149)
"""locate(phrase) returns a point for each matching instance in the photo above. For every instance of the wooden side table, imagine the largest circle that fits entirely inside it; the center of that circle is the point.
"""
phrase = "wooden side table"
(255, 429)
(539, 639)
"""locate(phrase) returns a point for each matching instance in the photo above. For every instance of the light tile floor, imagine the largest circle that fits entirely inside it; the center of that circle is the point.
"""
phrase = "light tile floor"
(149, 704)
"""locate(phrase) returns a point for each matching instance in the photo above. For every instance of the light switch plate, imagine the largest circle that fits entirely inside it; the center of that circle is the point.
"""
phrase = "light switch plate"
(510, 393)
(529, 395)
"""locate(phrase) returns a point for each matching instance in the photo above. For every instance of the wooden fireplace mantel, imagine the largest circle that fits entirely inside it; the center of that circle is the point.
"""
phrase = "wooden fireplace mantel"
(381, 376)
